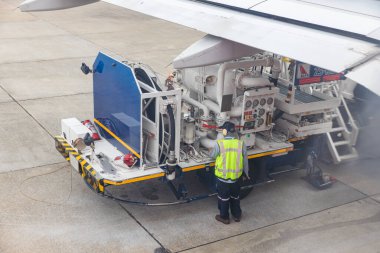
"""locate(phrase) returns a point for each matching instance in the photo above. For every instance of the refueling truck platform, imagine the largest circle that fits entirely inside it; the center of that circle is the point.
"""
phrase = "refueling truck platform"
(99, 176)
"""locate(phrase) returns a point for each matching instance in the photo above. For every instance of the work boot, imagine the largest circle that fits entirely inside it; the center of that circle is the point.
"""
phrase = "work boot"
(237, 219)
(224, 221)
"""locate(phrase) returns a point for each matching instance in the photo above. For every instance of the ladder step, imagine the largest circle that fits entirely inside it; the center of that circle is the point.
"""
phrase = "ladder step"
(337, 129)
(341, 143)
(349, 156)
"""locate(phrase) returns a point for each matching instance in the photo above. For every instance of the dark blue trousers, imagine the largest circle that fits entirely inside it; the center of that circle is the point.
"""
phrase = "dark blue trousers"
(228, 198)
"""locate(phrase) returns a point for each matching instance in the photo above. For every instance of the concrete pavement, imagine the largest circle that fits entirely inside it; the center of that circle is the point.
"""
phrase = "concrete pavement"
(45, 207)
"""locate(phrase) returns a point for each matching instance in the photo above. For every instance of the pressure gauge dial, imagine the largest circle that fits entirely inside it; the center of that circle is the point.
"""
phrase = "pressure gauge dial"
(261, 112)
(270, 101)
(260, 122)
(248, 104)
(255, 103)
(263, 101)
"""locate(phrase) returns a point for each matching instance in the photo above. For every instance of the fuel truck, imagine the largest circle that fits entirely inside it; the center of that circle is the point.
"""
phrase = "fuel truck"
(144, 129)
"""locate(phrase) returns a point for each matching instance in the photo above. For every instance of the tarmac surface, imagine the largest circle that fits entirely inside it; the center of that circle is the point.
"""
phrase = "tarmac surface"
(46, 207)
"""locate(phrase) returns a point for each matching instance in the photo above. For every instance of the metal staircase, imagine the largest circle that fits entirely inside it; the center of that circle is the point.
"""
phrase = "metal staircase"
(342, 138)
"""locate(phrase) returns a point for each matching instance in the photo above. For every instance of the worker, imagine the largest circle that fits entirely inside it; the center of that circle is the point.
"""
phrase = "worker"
(231, 160)
(169, 82)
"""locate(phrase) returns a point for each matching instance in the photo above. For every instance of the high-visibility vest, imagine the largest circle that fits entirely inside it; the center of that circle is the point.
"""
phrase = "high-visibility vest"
(229, 163)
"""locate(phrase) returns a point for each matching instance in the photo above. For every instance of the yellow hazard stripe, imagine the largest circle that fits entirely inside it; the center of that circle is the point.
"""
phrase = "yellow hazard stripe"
(197, 167)
(275, 152)
(83, 163)
(133, 180)
(101, 187)
(117, 138)
(202, 166)
(296, 139)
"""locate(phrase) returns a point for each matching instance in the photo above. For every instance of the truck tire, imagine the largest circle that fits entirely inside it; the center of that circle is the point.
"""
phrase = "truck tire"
(244, 181)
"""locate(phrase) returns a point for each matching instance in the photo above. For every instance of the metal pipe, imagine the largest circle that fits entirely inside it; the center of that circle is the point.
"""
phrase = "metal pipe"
(212, 105)
(208, 143)
(205, 109)
(250, 82)
(221, 117)
(267, 62)
(200, 133)
(276, 68)
(236, 111)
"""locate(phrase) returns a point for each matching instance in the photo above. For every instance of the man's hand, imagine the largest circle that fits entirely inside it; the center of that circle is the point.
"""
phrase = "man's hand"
(245, 177)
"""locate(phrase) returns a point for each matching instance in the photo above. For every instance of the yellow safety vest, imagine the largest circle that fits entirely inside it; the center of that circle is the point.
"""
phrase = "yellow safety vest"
(229, 163)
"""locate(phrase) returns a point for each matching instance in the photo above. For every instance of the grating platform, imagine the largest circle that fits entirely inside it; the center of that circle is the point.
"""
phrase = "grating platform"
(300, 96)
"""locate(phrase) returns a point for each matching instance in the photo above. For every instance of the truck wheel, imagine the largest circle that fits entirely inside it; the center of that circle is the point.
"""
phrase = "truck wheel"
(245, 192)
(244, 181)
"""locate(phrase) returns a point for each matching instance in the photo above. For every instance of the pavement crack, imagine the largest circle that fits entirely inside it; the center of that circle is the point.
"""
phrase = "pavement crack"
(276, 223)
(58, 96)
(47, 60)
(26, 111)
(361, 192)
(371, 197)
(35, 167)
(162, 249)
(356, 189)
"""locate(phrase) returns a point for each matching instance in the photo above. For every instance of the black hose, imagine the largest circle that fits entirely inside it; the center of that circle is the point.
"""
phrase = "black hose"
(140, 203)
(172, 128)
(277, 115)
(142, 76)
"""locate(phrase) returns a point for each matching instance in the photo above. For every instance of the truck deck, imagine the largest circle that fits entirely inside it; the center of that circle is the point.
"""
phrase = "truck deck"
(106, 171)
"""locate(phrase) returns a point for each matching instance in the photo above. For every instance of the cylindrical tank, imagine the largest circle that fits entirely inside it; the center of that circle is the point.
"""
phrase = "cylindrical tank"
(189, 131)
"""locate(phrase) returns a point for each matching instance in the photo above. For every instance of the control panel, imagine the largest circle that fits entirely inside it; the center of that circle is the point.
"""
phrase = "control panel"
(258, 109)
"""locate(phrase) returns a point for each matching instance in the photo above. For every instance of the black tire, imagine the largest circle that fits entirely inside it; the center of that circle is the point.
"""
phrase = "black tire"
(208, 178)
(245, 192)
(244, 182)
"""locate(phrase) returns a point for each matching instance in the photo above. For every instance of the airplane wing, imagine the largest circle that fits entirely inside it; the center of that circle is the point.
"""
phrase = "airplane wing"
(340, 35)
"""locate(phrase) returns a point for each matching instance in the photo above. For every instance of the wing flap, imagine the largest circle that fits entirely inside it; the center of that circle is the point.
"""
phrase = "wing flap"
(368, 75)
(327, 50)
(317, 47)
(321, 15)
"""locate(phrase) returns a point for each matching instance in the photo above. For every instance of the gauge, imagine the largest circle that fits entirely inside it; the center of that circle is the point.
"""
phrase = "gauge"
(248, 104)
(261, 112)
(260, 122)
(262, 101)
(270, 101)
(255, 103)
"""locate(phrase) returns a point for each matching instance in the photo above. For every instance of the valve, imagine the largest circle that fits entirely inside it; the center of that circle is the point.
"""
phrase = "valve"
(171, 165)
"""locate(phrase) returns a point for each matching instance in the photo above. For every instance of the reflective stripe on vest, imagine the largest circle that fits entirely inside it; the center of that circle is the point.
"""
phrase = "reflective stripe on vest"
(229, 163)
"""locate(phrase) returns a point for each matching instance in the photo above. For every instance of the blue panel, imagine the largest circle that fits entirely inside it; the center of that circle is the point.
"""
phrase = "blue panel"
(117, 102)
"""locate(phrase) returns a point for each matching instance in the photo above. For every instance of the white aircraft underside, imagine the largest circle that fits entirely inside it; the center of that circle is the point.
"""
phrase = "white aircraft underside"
(339, 35)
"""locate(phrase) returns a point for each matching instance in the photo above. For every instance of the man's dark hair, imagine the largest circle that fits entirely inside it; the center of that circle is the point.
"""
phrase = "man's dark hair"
(229, 126)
